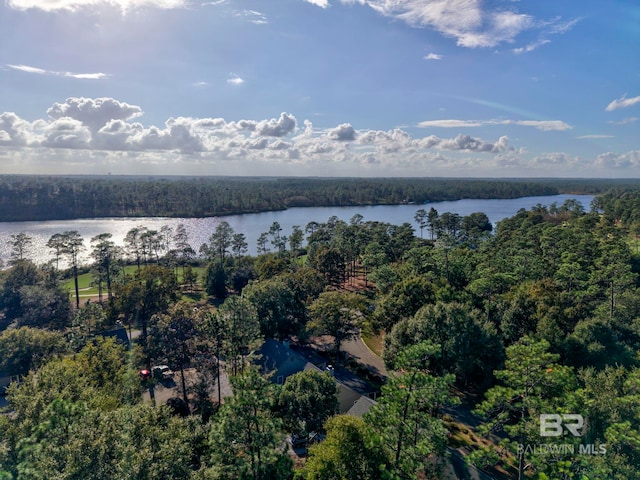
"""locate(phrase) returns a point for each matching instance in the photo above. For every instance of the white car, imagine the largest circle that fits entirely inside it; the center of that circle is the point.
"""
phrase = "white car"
(162, 372)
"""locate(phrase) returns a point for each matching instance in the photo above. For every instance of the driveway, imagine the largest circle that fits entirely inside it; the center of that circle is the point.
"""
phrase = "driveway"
(359, 351)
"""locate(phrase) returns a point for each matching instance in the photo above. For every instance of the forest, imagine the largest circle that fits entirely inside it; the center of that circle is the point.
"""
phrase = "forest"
(510, 350)
(30, 198)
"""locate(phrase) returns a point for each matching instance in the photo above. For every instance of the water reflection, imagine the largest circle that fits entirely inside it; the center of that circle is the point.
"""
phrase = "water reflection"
(252, 225)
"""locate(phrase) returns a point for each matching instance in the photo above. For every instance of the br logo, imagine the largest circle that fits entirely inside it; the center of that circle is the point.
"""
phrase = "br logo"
(556, 425)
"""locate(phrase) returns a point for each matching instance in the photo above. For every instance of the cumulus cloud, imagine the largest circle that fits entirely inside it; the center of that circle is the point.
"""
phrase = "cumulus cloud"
(106, 131)
(471, 144)
(545, 125)
(433, 56)
(73, 5)
(94, 112)
(616, 161)
(343, 133)
(66, 132)
(14, 131)
(277, 128)
(623, 102)
(555, 159)
(41, 71)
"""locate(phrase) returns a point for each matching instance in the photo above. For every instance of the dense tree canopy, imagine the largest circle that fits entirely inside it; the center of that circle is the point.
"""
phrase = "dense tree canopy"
(539, 315)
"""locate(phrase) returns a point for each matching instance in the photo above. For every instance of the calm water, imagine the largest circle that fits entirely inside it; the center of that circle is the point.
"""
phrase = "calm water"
(252, 225)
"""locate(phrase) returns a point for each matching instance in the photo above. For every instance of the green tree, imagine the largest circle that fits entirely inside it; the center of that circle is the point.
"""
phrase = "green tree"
(351, 451)
(72, 245)
(330, 262)
(246, 439)
(338, 314)
(24, 349)
(306, 401)
(403, 301)
(295, 239)
(56, 243)
(151, 290)
(20, 245)
(532, 383)
(407, 414)
(215, 280)
(105, 255)
(279, 311)
(469, 347)
(241, 331)
(172, 339)
(420, 218)
(22, 273)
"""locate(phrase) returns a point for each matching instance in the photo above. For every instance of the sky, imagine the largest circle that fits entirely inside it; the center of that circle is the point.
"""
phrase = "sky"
(407, 88)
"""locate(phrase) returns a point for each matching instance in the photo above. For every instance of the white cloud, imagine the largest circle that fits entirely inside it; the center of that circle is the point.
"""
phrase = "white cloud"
(451, 123)
(617, 161)
(73, 5)
(66, 132)
(626, 121)
(319, 3)
(15, 131)
(28, 69)
(94, 112)
(531, 47)
(343, 133)
(623, 102)
(87, 76)
(234, 80)
(40, 71)
(252, 16)
(556, 159)
(465, 20)
(433, 56)
(471, 144)
(277, 128)
(588, 137)
(100, 132)
(545, 125)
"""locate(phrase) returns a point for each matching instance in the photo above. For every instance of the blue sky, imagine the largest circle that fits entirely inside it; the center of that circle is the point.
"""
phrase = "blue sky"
(483, 88)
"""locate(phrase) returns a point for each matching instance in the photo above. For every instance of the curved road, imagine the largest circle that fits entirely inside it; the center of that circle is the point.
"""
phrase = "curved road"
(363, 355)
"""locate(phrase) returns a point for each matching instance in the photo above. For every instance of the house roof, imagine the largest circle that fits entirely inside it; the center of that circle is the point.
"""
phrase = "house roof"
(277, 358)
(361, 406)
(119, 334)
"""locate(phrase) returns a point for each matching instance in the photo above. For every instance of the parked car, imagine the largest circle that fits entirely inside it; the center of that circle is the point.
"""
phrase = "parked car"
(162, 372)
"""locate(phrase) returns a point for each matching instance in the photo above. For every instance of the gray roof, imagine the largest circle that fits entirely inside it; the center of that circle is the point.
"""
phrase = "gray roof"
(278, 359)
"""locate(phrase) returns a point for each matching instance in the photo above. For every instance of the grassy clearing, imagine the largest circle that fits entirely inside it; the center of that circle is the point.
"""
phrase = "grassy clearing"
(374, 342)
(87, 289)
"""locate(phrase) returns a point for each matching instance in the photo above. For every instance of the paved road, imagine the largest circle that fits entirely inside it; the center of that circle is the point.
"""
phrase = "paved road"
(364, 356)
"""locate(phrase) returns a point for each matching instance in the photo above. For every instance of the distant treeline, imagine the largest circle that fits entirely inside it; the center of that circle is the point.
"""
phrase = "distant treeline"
(26, 197)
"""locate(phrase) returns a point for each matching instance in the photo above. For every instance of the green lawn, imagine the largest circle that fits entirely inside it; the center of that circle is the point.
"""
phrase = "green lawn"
(86, 289)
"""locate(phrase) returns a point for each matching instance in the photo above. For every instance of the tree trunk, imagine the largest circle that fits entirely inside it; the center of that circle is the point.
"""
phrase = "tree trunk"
(75, 280)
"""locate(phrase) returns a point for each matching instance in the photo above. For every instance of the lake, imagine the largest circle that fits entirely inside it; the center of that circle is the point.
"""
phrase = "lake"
(252, 225)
